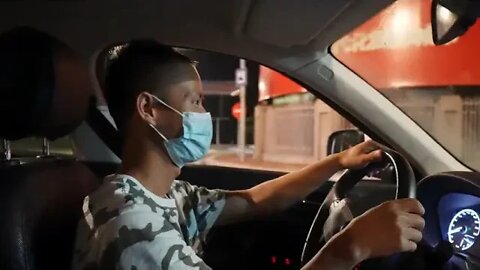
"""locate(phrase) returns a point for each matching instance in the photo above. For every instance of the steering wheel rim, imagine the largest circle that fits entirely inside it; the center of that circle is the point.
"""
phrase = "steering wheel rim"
(405, 188)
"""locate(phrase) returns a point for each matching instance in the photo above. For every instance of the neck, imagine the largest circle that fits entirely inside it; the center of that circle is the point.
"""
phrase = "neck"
(148, 164)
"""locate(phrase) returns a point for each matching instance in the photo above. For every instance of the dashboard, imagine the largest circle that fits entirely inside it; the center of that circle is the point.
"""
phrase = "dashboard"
(460, 222)
(452, 218)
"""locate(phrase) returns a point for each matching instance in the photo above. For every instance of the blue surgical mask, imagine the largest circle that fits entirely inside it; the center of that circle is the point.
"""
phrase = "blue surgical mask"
(195, 140)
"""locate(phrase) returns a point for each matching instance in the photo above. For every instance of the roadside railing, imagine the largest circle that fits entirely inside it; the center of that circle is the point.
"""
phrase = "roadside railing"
(295, 133)
(299, 133)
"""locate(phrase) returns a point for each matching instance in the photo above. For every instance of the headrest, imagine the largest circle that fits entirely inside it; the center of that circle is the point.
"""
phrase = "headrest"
(44, 88)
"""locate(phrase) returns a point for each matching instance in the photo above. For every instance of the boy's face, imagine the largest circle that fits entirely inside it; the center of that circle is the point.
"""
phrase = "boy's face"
(185, 96)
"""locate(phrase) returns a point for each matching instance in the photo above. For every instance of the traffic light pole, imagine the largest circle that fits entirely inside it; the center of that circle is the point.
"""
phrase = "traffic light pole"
(241, 81)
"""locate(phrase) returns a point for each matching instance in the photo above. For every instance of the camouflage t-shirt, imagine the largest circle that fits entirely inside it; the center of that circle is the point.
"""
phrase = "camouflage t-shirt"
(125, 226)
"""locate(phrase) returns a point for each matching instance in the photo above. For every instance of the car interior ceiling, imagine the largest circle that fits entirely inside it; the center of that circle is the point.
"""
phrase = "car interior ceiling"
(246, 28)
(41, 199)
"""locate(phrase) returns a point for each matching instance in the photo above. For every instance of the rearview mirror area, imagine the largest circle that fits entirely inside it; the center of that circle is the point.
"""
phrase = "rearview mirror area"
(452, 18)
(344, 139)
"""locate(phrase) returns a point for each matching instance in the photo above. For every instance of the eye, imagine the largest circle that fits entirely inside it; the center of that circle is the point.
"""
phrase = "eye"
(198, 101)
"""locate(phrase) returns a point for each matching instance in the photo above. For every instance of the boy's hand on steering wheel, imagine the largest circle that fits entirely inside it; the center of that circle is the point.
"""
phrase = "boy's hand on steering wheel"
(392, 227)
(360, 155)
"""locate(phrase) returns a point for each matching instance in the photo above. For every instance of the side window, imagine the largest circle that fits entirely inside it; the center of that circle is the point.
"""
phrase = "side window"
(286, 127)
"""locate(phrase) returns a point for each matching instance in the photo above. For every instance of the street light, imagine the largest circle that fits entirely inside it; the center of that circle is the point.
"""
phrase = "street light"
(235, 93)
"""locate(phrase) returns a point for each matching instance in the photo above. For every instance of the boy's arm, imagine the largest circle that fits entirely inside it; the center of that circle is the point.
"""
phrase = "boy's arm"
(282, 192)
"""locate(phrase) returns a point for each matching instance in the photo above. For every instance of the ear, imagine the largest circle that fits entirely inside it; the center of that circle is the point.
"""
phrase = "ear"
(144, 106)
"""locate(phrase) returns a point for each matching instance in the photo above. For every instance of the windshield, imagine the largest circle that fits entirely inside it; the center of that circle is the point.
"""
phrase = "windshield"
(438, 87)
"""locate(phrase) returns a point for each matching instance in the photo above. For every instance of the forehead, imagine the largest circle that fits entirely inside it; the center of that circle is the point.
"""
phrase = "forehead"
(187, 83)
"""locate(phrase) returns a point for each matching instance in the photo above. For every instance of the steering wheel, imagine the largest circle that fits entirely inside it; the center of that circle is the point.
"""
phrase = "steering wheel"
(334, 213)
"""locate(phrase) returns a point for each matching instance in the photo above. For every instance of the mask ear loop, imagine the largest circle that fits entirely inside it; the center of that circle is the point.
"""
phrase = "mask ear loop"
(158, 132)
(166, 105)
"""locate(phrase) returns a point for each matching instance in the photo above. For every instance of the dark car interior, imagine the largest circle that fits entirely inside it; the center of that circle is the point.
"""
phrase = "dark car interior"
(46, 93)
(42, 196)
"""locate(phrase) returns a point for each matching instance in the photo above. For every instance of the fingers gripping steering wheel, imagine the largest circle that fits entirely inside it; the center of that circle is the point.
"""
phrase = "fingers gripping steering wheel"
(335, 210)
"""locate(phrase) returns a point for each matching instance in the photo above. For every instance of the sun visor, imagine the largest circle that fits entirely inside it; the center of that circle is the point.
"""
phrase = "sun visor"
(286, 23)
(299, 23)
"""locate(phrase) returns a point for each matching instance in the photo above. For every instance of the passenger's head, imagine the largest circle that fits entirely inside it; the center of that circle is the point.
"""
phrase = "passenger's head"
(143, 70)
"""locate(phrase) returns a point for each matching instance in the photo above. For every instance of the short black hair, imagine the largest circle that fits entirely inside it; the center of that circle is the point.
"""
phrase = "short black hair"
(140, 65)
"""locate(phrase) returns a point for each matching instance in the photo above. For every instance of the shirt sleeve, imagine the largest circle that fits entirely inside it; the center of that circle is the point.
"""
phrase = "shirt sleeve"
(207, 205)
(213, 207)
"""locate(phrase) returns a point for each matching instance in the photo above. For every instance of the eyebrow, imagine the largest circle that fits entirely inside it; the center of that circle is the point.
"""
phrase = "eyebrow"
(192, 93)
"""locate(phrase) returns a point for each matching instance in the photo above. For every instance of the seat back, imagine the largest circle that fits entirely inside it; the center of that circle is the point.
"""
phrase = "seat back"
(47, 91)
(41, 204)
